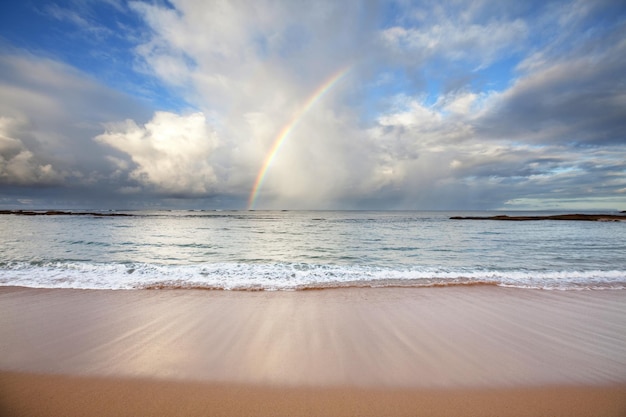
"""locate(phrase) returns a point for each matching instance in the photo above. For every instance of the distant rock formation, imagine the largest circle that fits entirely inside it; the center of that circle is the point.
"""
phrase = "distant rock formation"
(580, 217)
(62, 213)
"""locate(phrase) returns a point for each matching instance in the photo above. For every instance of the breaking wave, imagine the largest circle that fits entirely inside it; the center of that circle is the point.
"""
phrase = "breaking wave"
(288, 276)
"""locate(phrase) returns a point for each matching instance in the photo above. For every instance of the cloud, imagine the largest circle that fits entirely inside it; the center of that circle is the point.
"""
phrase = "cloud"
(578, 98)
(554, 134)
(229, 59)
(18, 165)
(447, 104)
(249, 68)
(172, 153)
(479, 44)
(50, 112)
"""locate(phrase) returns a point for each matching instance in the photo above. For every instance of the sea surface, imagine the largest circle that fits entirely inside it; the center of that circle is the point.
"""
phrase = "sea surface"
(294, 250)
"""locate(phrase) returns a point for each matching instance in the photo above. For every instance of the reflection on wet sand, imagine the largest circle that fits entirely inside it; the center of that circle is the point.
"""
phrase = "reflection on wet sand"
(437, 337)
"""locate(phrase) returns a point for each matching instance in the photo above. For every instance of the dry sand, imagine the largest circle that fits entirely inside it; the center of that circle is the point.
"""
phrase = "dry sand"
(442, 351)
(68, 396)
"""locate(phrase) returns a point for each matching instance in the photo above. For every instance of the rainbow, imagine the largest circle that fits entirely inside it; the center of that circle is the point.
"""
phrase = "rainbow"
(288, 128)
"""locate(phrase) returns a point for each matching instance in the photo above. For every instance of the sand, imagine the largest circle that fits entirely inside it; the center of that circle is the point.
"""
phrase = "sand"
(478, 350)
(49, 395)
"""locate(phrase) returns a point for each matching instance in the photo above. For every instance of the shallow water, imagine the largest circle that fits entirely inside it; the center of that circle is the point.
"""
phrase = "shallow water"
(293, 250)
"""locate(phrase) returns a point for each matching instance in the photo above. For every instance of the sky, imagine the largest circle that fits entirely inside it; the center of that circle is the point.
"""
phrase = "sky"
(289, 104)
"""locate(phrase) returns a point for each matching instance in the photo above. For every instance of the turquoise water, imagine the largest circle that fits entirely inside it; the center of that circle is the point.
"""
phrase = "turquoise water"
(294, 250)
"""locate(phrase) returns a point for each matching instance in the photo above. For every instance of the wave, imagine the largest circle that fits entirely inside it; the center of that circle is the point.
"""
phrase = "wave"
(286, 276)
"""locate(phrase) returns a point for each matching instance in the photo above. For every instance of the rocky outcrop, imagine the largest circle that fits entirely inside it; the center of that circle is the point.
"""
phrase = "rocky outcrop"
(62, 213)
(578, 217)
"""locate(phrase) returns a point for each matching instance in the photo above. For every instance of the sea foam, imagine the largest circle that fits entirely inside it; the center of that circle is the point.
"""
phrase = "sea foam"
(286, 276)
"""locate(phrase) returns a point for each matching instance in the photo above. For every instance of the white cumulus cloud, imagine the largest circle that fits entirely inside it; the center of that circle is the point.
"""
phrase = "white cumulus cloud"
(171, 153)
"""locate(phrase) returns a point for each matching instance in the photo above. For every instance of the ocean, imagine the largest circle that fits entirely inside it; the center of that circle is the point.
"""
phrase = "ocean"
(297, 250)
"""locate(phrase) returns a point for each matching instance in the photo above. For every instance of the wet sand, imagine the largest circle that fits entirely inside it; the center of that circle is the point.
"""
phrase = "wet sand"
(476, 350)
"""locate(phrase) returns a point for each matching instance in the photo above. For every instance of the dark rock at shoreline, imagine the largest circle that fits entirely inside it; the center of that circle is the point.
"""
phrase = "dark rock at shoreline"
(62, 213)
(579, 217)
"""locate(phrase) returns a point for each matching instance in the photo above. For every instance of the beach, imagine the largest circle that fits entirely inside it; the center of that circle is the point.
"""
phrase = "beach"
(462, 350)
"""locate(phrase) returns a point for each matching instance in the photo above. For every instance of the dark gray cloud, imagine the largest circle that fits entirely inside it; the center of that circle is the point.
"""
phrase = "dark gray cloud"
(578, 99)
(49, 114)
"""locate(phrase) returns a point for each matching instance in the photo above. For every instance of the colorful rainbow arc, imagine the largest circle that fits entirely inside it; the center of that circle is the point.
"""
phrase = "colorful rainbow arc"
(288, 128)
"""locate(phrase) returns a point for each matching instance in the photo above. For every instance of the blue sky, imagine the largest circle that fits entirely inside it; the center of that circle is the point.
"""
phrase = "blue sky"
(448, 104)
